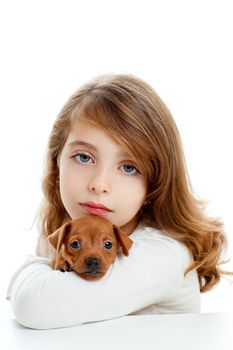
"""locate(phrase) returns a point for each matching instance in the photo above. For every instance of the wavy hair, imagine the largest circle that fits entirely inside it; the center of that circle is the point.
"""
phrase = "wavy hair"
(134, 115)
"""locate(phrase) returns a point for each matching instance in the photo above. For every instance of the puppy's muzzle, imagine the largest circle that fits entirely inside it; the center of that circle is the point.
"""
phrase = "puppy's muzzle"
(93, 264)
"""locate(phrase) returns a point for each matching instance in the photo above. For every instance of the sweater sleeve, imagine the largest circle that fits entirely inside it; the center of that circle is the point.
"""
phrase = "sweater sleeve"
(43, 298)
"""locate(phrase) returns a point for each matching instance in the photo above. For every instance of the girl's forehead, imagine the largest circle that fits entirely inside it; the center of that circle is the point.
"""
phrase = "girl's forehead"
(83, 131)
(80, 126)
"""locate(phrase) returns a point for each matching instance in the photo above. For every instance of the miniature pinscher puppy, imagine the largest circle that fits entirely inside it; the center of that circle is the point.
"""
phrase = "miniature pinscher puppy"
(88, 246)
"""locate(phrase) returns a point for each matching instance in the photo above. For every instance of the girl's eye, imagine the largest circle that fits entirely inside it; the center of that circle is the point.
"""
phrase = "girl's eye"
(75, 245)
(130, 169)
(83, 158)
(107, 245)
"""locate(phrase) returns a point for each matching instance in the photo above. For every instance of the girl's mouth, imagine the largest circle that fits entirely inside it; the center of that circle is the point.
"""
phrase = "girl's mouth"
(94, 208)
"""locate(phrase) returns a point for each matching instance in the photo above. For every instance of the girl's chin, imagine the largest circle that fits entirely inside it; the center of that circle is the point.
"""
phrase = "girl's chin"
(127, 227)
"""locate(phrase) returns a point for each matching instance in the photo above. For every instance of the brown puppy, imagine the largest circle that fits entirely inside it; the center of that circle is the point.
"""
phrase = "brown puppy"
(88, 246)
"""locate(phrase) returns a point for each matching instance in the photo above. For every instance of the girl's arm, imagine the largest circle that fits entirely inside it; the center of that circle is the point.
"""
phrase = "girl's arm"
(43, 298)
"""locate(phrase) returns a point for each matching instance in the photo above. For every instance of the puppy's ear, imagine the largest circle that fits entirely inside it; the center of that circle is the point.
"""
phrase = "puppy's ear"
(57, 238)
(124, 241)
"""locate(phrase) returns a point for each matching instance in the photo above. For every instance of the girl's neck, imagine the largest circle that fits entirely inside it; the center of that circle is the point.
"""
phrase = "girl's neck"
(130, 226)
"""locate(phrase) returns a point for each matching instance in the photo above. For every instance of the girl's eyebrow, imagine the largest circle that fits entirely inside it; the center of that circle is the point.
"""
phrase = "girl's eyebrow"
(93, 148)
(82, 143)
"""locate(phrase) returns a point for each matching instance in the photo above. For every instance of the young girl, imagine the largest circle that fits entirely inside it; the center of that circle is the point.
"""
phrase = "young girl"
(115, 151)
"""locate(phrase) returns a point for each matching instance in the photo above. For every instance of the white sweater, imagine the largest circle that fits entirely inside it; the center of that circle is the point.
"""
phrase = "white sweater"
(149, 281)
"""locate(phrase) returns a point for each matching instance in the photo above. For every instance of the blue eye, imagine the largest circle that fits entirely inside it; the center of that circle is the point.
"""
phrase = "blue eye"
(75, 245)
(82, 158)
(130, 169)
(107, 245)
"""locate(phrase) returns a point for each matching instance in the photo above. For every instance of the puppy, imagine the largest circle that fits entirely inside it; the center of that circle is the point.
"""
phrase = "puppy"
(88, 246)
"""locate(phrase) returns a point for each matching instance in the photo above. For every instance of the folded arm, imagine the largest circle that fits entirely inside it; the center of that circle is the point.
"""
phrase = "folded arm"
(43, 298)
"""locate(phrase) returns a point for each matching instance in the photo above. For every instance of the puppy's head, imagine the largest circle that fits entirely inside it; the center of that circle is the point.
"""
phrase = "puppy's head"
(90, 245)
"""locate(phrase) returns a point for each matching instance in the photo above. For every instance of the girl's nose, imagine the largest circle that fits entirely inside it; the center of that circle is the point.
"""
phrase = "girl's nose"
(100, 183)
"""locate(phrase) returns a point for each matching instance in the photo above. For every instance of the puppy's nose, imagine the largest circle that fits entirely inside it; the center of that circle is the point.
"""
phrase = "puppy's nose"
(92, 263)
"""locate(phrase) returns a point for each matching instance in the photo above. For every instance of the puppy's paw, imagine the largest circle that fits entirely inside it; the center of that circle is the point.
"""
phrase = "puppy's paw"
(69, 269)
(64, 266)
(59, 263)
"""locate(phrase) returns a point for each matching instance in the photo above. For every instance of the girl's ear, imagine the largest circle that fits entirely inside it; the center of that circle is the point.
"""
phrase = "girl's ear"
(124, 241)
(57, 238)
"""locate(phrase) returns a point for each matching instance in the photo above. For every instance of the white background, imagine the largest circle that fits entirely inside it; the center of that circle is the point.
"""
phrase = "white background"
(48, 48)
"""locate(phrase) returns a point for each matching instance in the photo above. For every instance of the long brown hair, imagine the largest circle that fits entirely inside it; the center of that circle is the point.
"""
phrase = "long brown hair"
(131, 111)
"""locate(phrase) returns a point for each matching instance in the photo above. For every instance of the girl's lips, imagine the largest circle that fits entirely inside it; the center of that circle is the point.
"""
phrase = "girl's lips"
(96, 210)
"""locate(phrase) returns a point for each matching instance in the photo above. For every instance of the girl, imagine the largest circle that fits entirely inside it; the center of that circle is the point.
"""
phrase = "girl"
(115, 151)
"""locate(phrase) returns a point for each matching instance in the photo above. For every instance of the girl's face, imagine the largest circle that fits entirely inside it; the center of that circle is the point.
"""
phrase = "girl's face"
(98, 176)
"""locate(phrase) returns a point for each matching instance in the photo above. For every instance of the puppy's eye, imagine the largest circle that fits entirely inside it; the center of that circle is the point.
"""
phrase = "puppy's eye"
(107, 245)
(75, 245)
